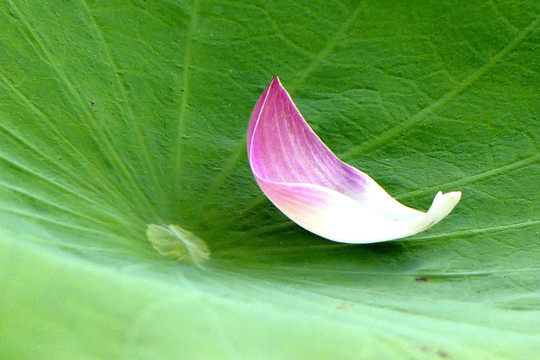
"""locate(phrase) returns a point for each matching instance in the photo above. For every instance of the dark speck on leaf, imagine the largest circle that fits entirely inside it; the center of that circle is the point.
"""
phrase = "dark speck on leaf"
(443, 354)
(344, 306)
(421, 279)
(92, 103)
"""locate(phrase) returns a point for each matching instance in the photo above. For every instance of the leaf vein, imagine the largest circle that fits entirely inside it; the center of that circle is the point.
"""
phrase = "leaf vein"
(443, 100)
(185, 95)
(469, 179)
(125, 101)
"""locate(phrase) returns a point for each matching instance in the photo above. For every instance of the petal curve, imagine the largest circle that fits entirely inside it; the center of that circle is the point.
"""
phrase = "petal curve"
(309, 184)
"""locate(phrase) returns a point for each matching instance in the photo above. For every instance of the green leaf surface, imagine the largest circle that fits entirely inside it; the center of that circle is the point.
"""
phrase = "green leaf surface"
(117, 115)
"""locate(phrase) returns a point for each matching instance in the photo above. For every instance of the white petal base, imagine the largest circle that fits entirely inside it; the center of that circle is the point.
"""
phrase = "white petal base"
(340, 218)
(441, 206)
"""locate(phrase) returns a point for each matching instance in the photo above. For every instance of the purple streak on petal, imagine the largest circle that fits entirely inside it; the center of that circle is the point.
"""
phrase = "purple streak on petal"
(282, 148)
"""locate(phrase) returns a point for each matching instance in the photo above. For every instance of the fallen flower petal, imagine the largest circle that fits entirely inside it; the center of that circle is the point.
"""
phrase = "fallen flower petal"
(308, 183)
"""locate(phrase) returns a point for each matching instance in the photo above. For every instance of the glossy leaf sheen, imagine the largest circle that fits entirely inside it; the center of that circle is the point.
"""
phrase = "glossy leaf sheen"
(117, 115)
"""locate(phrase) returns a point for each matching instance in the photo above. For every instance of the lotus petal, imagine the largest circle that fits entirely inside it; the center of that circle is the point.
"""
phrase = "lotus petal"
(309, 184)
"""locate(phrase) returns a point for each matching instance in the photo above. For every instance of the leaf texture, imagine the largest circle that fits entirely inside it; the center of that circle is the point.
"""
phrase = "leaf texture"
(116, 115)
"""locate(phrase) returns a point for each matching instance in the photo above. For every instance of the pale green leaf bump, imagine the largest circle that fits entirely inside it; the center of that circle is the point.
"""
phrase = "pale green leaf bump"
(176, 243)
